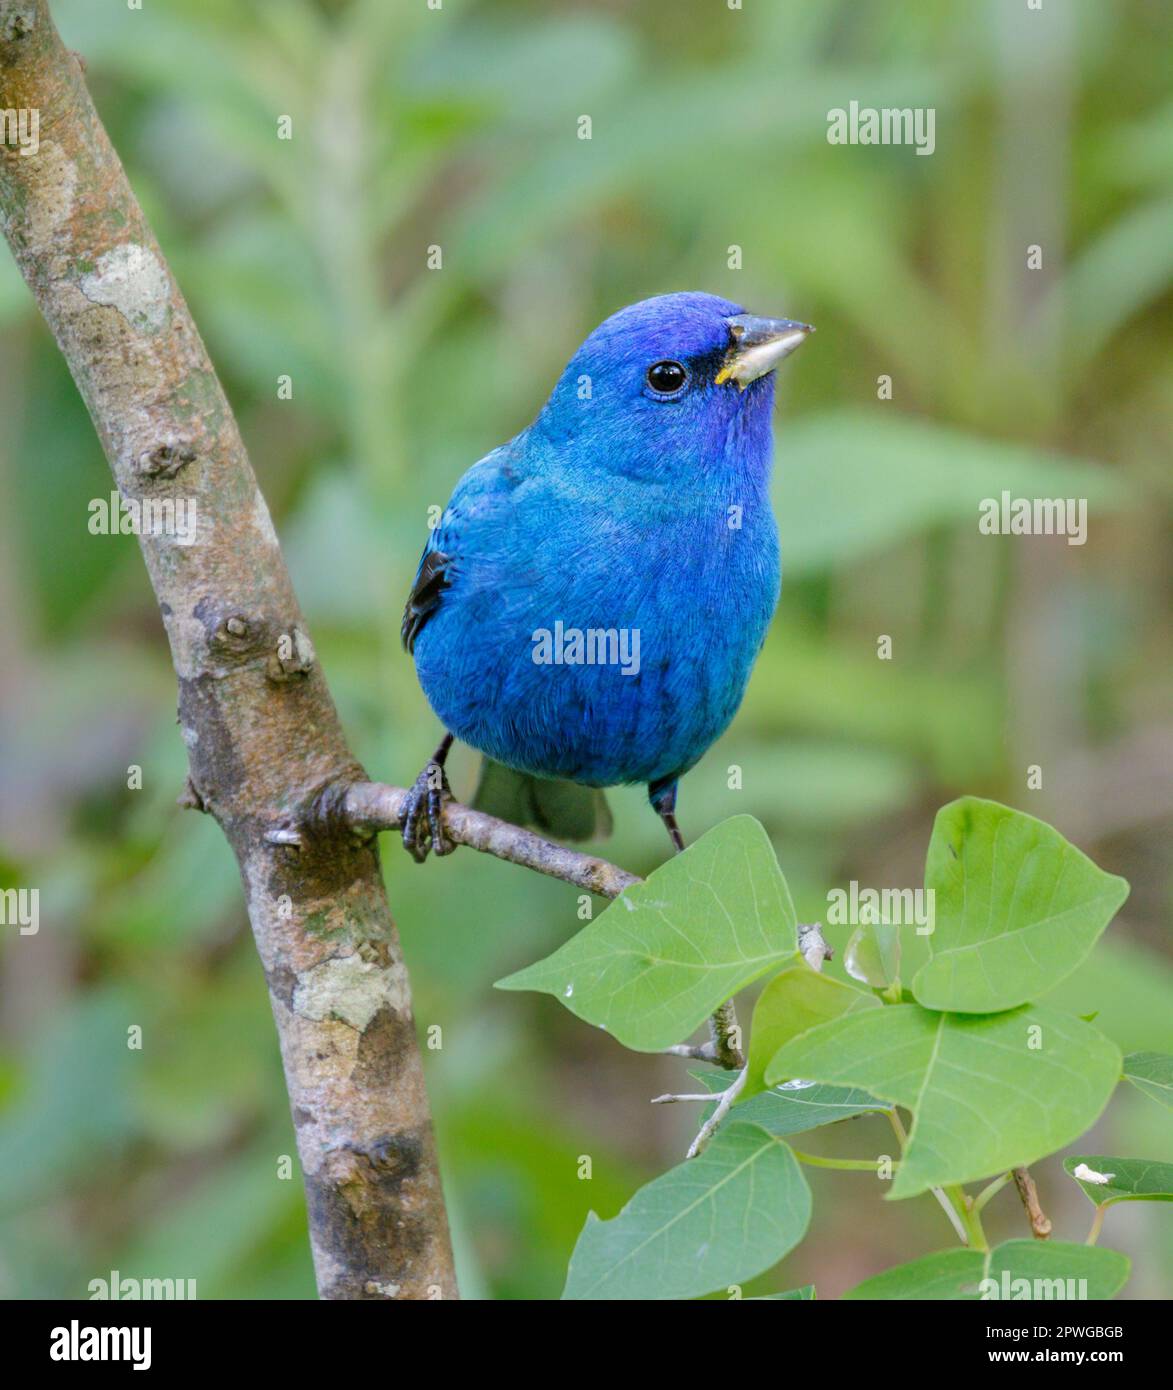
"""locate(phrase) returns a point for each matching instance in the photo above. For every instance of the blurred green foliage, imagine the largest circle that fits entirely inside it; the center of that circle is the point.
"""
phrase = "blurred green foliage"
(458, 127)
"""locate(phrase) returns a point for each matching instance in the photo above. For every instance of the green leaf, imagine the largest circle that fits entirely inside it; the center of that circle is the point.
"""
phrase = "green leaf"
(657, 962)
(796, 1106)
(948, 1274)
(793, 1002)
(1105, 1271)
(1152, 1073)
(1017, 908)
(714, 1220)
(1129, 1179)
(987, 1093)
(805, 1294)
(959, 1274)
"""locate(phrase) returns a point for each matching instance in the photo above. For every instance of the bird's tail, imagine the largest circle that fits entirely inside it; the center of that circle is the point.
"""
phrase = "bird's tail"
(564, 810)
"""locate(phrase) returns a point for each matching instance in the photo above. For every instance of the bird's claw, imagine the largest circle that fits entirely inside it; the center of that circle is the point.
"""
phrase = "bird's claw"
(423, 815)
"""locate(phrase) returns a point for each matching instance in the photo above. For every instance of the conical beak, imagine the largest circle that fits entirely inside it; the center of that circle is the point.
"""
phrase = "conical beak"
(757, 346)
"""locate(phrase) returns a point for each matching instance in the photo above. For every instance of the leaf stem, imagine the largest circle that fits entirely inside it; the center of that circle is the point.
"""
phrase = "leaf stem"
(1097, 1222)
(963, 1205)
(854, 1165)
(955, 1218)
(991, 1190)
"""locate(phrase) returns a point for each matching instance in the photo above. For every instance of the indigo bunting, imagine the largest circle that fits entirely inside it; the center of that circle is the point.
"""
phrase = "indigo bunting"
(590, 606)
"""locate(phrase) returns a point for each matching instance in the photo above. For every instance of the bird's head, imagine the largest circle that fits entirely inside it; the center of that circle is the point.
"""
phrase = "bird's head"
(679, 383)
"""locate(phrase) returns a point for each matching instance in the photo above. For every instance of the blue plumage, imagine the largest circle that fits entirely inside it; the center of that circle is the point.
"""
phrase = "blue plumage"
(633, 513)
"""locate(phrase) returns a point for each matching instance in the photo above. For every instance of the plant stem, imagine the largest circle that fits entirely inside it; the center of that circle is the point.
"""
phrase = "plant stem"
(990, 1190)
(710, 1126)
(853, 1165)
(963, 1205)
(1097, 1222)
(956, 1220)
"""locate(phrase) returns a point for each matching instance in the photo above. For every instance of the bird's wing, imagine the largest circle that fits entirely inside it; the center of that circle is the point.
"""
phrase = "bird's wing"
(430, 582)
(477, 497)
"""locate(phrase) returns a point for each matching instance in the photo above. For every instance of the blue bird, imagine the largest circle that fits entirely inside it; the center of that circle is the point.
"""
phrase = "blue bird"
(590, 606)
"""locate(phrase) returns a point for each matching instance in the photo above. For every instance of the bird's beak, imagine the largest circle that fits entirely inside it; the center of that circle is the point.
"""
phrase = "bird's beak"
(757, 346)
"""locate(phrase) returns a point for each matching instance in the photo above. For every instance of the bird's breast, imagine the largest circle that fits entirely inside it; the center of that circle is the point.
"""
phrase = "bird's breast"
(608, 642)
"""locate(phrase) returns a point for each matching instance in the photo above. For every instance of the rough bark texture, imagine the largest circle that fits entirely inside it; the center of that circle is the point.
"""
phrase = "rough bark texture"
(263, 738)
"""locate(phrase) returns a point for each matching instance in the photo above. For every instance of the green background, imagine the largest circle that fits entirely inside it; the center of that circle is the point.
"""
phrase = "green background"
(459, 128)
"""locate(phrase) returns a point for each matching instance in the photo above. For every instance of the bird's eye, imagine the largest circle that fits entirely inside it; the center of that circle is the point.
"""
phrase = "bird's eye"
(666, 378)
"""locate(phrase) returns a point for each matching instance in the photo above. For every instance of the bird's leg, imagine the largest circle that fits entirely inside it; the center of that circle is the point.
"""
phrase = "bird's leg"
(423, 813)
(662, 795)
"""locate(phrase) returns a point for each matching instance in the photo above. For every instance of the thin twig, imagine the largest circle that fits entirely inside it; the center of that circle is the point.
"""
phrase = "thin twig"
(725, 1048)
(710, 1126)
(371, 806)
(1040, 1225)
(694, 1052)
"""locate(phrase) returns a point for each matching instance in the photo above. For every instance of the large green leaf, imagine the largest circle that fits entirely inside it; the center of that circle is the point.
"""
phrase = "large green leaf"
(959, 1274)
(661, 958)
(987, 1093)
(795, 1000)
(715, 1220)
(1152, 1073)
(1017, 908)
(1129, 1179)
(795, 1106)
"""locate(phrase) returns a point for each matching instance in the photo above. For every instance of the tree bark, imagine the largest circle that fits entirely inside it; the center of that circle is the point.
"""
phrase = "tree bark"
(264, 743)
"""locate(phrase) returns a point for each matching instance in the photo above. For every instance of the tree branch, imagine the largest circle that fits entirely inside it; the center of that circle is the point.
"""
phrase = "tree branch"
(371, 806)
(263, 738)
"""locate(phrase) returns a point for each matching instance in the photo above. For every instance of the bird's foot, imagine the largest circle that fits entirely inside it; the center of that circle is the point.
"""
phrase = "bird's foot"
(423, 814)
